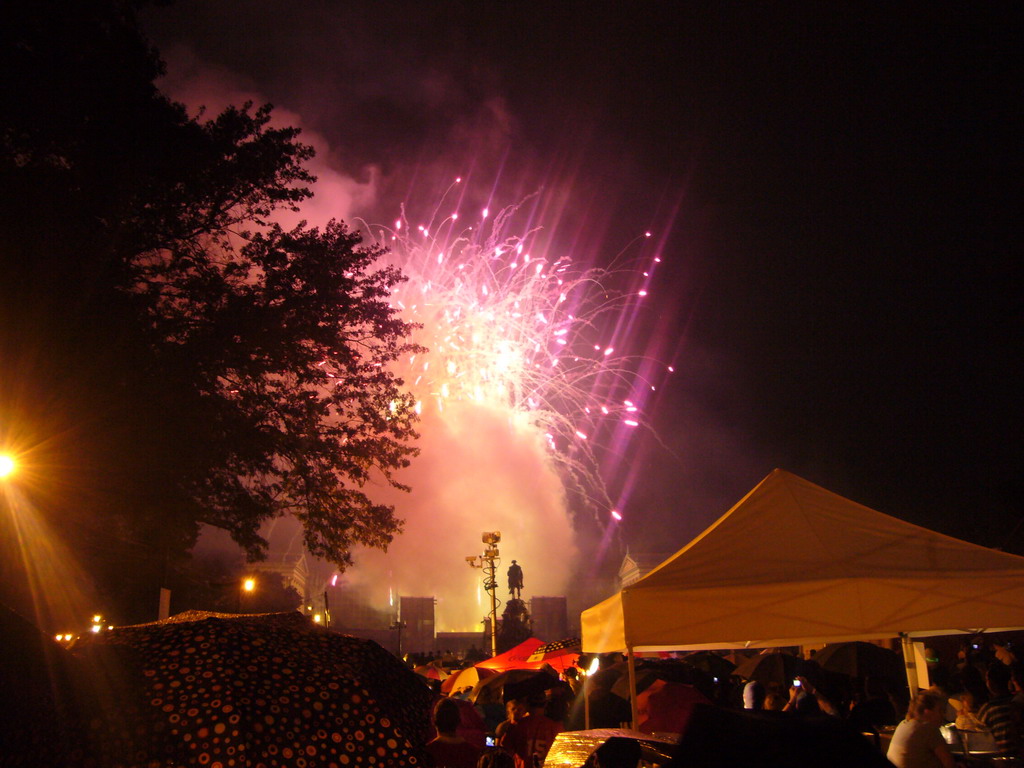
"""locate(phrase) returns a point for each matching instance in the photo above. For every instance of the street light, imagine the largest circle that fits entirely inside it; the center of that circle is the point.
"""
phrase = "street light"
(398, 625)
(248, 586)
(487, 561)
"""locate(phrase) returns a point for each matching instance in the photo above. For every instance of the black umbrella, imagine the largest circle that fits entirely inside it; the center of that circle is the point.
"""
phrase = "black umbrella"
(644, 676)
(860, 659)
(669, 670)
(606, 677)
(275, 689)
(710, 662)
(513, 684)
(775, 667)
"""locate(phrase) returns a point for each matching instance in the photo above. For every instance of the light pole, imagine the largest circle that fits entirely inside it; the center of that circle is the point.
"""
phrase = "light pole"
(398, 625)
(488, 562)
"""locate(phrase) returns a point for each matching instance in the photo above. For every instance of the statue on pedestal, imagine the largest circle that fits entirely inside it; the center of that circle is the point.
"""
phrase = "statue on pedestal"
(515, 580)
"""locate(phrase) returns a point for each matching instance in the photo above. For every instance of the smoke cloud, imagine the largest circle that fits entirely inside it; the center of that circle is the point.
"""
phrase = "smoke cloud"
(337, 194)
(480, 469)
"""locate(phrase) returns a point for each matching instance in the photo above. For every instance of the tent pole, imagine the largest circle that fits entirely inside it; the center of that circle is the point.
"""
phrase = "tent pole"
(586, 702)
(631, 667)
(907, 644)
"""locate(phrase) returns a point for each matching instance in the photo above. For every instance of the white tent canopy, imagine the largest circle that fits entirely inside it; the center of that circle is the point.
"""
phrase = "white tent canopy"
(794, 564)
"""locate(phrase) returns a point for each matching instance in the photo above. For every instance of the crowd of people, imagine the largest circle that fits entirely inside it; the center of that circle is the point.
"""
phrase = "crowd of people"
(979, 700)
(512, 726)
(982, 695)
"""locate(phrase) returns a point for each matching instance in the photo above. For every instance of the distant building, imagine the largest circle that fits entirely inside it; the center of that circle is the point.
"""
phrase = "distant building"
(292, 568)
(352, 610)
(353, 613)
(635, 566)
(550, 618)
(417, 616)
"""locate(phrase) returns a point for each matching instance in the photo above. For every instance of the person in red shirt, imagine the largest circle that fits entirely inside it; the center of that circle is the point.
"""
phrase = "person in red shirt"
(448, 749)
(529, 739)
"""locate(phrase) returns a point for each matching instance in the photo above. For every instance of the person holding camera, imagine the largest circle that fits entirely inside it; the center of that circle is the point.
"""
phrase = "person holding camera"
(806, 699)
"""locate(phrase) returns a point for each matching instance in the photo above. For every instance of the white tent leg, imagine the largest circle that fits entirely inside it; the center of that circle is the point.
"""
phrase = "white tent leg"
(907, 644)
(631, 667)
(586, 702)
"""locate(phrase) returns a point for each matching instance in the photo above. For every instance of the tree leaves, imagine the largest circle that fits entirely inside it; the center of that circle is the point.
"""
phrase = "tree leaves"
(290, 338)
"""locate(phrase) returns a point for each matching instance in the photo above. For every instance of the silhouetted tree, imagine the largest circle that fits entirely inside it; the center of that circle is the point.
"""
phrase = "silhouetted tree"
(170, 356)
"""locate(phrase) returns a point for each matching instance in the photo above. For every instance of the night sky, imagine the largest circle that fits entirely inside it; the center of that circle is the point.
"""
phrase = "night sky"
(833, 190)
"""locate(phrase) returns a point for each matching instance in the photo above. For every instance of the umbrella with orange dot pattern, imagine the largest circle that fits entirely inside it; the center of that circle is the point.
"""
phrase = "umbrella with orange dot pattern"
(273, 690)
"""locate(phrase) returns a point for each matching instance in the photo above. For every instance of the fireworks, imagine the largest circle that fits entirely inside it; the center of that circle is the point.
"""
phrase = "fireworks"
(520, 331)
(523, 391)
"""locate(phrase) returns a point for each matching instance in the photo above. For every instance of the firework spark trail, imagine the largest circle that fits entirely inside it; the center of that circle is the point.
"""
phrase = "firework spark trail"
(516, 389)
(509, 328)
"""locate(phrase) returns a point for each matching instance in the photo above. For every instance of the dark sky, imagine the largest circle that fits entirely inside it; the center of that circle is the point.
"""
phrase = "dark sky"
(836, 189)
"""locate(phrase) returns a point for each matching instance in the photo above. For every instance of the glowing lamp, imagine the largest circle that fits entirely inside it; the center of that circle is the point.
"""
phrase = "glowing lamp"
(7, 465)
(249, 585)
